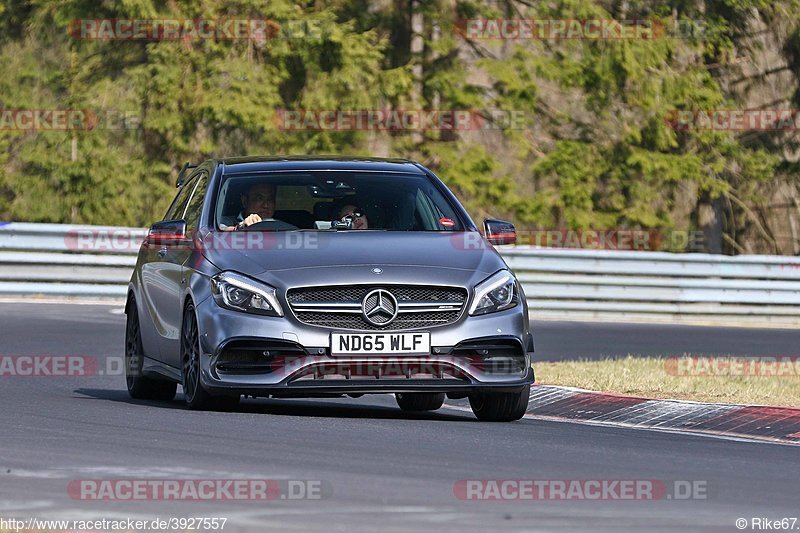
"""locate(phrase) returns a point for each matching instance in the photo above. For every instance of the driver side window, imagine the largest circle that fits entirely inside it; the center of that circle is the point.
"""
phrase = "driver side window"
(195, 205)
(176, 210)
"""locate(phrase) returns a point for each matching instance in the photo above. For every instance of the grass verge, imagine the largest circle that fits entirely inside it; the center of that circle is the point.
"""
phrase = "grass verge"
(681, 379)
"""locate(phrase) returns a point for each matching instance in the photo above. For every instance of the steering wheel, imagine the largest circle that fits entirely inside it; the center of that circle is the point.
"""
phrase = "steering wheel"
(270, 225)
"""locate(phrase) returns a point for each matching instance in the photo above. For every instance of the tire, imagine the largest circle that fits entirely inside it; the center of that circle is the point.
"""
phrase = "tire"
(500, 406)
(419, 401)
(141, 387)
(195, 395)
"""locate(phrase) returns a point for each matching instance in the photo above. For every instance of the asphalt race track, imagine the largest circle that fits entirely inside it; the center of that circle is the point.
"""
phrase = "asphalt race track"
(381, 469)
(556, 341)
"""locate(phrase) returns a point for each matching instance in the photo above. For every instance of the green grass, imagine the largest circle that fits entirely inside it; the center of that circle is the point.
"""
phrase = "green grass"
(658, 378)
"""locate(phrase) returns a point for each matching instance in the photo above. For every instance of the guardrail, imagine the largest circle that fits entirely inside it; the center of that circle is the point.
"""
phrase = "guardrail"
(53, 260)
(694, 288)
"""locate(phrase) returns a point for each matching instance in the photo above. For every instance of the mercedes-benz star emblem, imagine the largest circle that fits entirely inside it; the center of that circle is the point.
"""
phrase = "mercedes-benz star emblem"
(379, 307)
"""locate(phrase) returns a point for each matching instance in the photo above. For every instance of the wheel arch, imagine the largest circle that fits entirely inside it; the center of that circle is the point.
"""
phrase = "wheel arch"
(187, 299)
(129, 299)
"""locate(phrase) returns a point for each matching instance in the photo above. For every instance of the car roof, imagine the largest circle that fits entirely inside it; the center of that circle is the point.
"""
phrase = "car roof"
(235, 165)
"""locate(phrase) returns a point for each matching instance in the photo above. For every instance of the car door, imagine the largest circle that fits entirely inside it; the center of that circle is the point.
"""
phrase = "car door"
(159, 278)
(170, 274)
(175, 259)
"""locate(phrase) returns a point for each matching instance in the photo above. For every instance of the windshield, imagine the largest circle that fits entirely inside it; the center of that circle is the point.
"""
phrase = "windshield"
(333, 201)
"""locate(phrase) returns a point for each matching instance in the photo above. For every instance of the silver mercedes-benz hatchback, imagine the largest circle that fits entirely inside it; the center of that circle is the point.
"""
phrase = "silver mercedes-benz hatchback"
(326, 276)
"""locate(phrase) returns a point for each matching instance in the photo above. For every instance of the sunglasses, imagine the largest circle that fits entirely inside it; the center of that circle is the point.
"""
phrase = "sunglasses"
(355, 213)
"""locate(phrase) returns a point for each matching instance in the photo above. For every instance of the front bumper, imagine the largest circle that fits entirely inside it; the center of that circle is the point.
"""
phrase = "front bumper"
(338, 386)
(265, 356)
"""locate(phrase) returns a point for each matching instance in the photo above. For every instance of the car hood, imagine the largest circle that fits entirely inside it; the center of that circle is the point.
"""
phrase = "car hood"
(296, 254)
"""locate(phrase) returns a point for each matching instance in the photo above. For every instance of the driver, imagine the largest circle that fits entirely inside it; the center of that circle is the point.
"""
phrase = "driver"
(258, 204)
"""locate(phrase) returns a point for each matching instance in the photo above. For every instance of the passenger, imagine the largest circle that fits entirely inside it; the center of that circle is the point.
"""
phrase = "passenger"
(359, 218)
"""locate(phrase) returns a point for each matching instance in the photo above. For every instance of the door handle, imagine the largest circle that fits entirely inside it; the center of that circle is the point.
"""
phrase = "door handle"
(162, 252)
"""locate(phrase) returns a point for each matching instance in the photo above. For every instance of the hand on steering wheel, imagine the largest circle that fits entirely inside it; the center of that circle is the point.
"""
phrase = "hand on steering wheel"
(270, 225)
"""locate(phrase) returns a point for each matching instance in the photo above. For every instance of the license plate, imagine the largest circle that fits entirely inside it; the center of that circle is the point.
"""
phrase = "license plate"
(380, 343)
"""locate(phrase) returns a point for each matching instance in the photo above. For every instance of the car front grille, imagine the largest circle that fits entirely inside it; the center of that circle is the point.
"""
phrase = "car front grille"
(340, 307)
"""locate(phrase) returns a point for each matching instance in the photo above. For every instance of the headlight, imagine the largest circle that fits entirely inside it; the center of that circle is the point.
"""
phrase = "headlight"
(240, 293)
(496, 293)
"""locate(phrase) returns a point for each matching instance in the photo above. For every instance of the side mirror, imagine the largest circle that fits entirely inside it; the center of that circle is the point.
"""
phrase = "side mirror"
(167, 232)
(499, 231)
